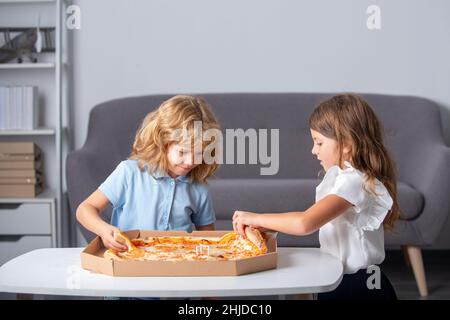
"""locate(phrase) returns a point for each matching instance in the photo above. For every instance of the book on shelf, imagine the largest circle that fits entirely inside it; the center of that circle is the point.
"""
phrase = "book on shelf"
(19, 106)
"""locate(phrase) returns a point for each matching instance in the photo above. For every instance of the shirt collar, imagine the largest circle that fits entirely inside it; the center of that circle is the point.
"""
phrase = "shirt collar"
(160, 174)
(335, 170)
(348, 165)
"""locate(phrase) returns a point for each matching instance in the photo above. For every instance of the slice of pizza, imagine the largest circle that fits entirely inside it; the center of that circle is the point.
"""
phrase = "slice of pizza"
(132, 252)
(123, 239)
(254, 241)
(255, 236)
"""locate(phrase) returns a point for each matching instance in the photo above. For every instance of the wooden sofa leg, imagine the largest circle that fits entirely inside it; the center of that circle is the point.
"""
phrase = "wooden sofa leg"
(406, 256)
(416, 261)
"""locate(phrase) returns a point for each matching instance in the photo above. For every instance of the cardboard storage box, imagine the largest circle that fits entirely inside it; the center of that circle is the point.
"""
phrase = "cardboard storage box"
(26, 150)
(92, 259)
(20, 170)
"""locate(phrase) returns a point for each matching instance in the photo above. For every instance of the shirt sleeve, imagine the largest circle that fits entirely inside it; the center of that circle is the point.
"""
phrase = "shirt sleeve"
(205, 214)
(372, 208)
(379, 206)
(350, 186)
(114, 187)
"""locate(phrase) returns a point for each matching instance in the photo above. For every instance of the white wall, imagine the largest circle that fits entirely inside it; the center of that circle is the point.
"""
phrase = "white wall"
(127, 48)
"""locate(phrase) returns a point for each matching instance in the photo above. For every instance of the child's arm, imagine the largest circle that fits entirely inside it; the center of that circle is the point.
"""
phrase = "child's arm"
(205, 228)
(88, 214)
(294, 223)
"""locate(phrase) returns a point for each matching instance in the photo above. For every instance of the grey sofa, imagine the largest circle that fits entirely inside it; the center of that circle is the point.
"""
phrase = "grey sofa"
(412, 133)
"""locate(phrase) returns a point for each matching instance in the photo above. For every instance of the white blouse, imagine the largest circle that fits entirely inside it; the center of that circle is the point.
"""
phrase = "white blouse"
(356, 236)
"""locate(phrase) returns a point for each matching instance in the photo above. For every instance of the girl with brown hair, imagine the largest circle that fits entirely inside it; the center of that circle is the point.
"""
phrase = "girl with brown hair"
(355, 201)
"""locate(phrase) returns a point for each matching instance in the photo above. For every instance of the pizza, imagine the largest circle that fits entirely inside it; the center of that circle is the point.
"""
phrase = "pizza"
(230, 246)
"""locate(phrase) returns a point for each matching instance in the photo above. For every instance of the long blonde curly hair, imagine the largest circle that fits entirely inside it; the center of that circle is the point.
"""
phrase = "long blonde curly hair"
(348, 118)
(159, 130)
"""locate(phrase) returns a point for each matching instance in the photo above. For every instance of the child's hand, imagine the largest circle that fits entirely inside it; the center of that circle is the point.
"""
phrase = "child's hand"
(241, 219)
(107, 235)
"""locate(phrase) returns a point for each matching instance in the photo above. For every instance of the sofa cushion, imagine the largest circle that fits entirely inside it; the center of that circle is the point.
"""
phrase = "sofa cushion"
(271, 195)
(283, 195)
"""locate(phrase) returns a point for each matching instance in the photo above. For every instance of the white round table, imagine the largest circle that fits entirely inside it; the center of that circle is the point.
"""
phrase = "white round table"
(58, 272)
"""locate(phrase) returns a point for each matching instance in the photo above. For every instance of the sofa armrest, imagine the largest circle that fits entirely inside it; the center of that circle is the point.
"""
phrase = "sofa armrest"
(84, 173)
(80, 176)
(431, 177)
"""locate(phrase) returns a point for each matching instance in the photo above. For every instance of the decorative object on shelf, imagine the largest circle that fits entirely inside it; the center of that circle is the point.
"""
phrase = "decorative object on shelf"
(19, 108)
(20, 170)
(27, 43)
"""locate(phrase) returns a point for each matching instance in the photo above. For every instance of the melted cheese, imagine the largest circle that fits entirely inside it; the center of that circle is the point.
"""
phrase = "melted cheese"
(229, 247)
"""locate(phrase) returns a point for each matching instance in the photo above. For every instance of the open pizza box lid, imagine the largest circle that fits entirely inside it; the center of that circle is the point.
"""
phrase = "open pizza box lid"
(92, 259)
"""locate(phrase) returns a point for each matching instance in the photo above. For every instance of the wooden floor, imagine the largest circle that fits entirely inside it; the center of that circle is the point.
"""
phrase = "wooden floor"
(437, 268)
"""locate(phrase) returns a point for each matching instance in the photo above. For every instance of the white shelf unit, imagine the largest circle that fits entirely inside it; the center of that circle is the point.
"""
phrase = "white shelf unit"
(26, 1)
(42, 65)
(51, 79)
(35, 132)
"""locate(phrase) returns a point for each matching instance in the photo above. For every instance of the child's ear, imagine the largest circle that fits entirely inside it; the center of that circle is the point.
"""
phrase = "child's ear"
(347, 149)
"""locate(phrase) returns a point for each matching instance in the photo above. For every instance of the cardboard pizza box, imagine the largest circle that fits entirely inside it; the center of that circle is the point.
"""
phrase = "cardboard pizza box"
(92, 259)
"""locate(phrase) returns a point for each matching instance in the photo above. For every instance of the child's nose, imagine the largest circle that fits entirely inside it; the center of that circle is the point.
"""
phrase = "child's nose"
(189, 161)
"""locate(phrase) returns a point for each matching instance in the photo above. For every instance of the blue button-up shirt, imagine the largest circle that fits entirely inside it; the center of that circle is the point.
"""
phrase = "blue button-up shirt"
(156, 202)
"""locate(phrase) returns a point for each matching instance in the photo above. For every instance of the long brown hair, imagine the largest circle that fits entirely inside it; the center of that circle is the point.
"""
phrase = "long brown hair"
(159, 130)
(348, 119)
